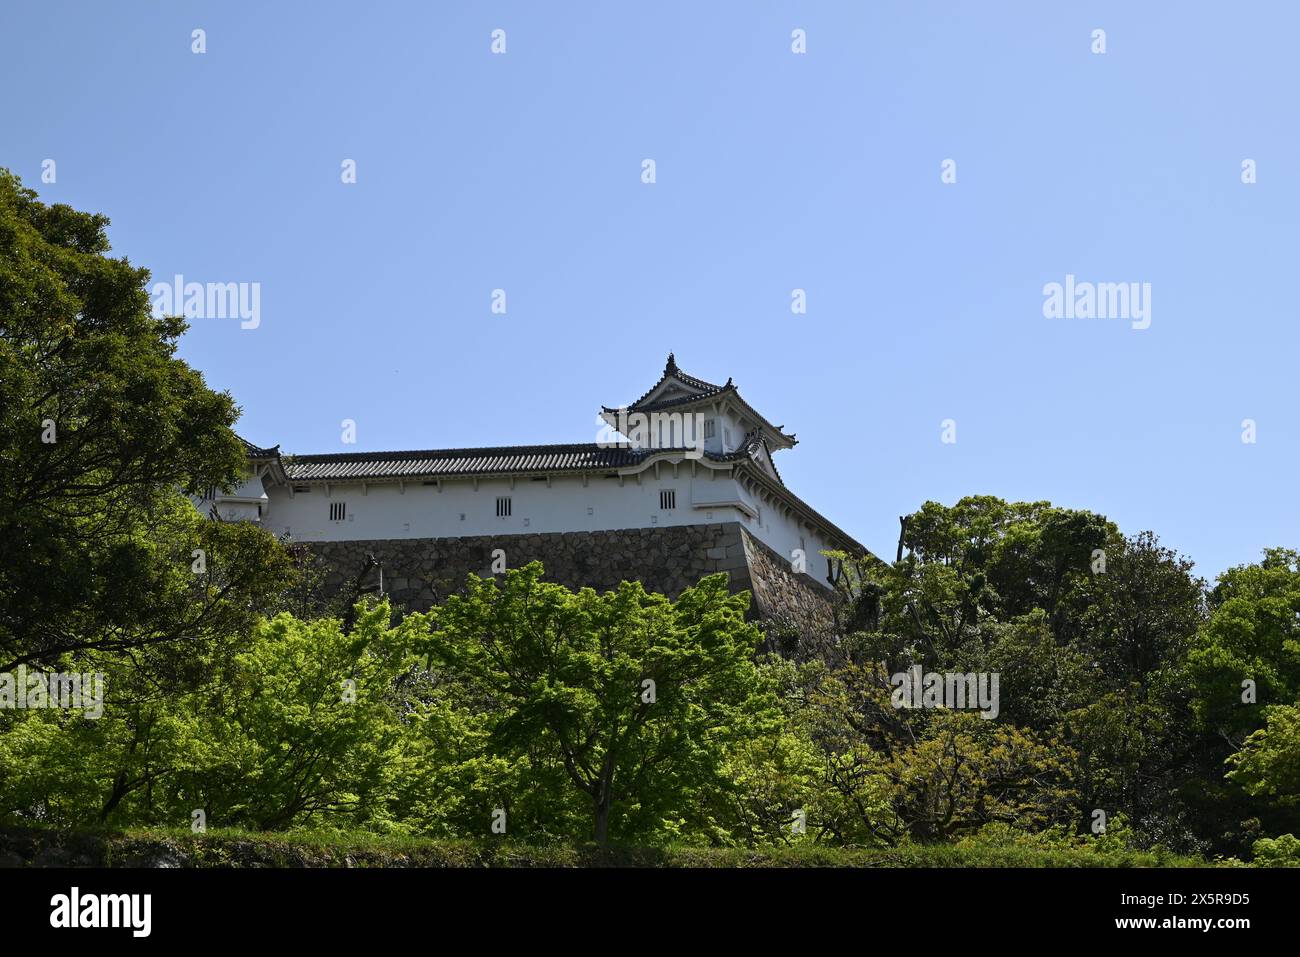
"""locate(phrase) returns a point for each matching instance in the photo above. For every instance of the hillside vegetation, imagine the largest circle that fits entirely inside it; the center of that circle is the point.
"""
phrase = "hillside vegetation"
(1122, 710)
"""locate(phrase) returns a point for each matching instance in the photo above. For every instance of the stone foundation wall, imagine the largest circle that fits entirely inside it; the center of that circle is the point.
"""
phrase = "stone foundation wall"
(799, 613)
(419, 572)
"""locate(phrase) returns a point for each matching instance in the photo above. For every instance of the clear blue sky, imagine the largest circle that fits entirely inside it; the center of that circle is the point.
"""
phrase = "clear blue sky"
(775, 171)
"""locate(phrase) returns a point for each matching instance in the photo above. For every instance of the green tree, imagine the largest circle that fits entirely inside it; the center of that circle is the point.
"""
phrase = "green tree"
(1137, 619)
(299, 724)
(1269, 763)
(1242, 680)
(1088, 629)
(310, 727)
(1252, 639)
(102, 428)
(891, 772)
(638, 696)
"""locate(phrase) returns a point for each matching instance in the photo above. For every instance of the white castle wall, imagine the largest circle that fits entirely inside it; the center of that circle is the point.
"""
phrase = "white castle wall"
(457, 509)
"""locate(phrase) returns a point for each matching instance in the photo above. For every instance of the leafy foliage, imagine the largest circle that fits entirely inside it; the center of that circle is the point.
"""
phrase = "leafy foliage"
(635, 696)
(102, 428)
(1125, 686)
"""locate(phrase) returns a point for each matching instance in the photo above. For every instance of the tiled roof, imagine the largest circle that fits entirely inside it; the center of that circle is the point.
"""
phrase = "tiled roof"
(504, 460)
(671, 371)
(708, 390)
(257, 452)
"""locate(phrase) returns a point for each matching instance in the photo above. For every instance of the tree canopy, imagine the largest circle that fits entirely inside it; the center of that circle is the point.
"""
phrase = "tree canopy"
(102, 430)
(638, 696)
(1135, 705)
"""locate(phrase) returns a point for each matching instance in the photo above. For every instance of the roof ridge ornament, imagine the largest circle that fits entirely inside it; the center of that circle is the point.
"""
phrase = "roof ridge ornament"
(671, 367)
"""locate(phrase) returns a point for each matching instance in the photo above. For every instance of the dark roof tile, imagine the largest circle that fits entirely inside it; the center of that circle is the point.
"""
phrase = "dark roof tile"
(257, 452)
(503, 460)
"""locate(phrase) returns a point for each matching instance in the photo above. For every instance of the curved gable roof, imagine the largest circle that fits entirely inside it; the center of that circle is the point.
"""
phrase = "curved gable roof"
(676, 389)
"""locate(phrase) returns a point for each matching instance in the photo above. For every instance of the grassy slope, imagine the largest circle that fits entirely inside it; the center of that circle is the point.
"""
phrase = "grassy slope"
(154, 848)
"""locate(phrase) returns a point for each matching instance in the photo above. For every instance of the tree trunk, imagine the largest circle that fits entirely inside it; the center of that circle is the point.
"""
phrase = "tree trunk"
(115, 796)
(602, 818)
